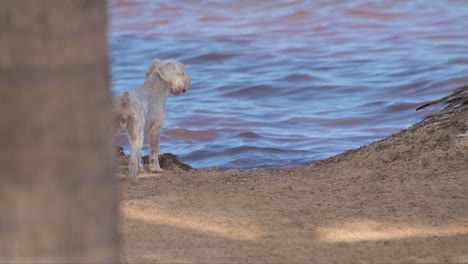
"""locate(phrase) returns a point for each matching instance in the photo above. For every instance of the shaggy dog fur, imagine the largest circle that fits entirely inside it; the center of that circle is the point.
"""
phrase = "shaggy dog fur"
(142, 111)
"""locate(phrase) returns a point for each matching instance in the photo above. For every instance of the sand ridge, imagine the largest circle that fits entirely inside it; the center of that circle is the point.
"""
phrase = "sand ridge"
(399, 200)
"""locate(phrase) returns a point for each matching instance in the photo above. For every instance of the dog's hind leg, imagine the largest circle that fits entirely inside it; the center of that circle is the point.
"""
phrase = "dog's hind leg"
(154, 162)
(135, 136)
(116, 128)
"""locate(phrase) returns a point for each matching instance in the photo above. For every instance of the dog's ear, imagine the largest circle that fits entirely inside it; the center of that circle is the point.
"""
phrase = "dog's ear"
(152, 67)
(125, 99)
(170, 71)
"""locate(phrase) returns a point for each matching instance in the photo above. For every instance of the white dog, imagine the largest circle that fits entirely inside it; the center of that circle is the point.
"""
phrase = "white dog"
(142, 111)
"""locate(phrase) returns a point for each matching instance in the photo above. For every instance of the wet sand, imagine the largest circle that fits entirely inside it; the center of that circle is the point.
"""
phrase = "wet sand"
(399, 200)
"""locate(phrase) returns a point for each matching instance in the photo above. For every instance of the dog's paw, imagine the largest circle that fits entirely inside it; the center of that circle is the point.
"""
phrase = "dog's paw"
(133, 174)
(156, 169)
(134, 180)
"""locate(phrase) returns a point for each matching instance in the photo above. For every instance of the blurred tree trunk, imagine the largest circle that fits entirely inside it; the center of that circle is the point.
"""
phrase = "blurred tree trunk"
(58, 193)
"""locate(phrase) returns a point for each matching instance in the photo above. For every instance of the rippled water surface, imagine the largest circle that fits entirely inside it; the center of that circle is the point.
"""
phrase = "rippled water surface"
(277, 83)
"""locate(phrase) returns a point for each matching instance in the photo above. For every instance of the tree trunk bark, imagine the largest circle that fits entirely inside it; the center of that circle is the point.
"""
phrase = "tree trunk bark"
(58, 194)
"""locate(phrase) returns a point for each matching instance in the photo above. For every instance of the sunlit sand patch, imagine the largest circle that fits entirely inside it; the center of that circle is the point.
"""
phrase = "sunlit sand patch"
(367, 230)
(151, 212)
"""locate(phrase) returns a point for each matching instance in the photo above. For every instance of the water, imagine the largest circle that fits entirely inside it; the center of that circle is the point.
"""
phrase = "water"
(282, 82)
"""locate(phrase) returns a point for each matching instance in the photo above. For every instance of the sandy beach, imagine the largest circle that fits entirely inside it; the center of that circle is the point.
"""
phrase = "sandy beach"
(399, 200)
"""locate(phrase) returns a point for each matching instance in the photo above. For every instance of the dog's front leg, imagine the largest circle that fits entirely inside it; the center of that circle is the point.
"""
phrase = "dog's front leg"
(154, 162)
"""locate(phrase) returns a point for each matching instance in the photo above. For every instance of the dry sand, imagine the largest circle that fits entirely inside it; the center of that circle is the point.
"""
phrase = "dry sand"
(399, 200)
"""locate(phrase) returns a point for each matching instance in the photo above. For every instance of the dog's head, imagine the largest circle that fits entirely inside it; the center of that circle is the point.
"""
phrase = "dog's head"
(172, 72)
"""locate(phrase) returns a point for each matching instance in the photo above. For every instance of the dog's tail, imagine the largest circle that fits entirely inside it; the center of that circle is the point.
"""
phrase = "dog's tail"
(124, 101)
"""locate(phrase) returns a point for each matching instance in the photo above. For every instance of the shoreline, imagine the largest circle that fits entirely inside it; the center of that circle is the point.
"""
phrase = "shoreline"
(400, 199)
